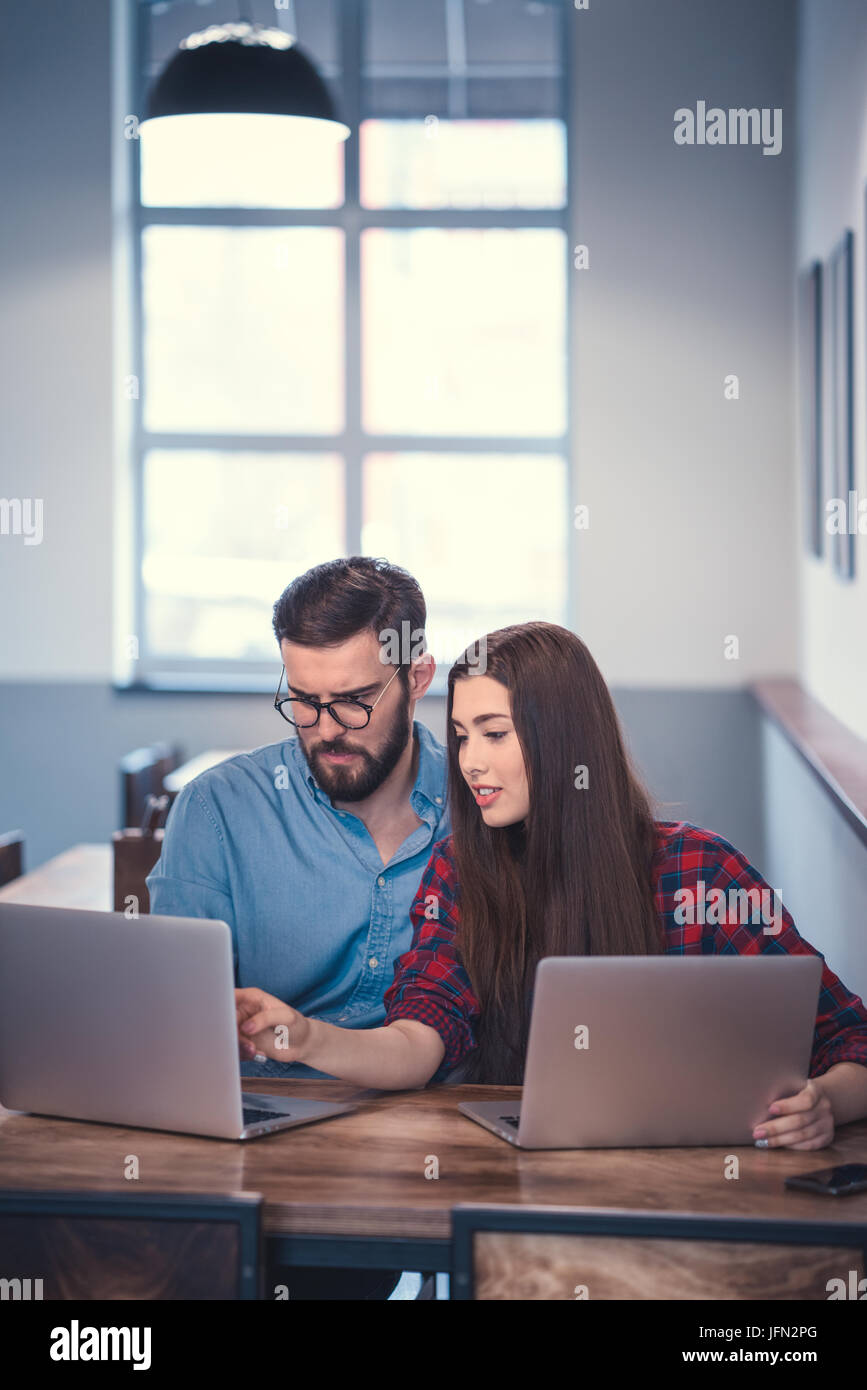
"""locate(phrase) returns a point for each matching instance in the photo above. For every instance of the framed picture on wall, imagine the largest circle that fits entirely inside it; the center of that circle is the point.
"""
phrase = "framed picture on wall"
(842, 472)
(810, 383)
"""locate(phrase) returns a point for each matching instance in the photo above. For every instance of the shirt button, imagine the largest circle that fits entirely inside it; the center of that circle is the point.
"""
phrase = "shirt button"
(438, 800)
(381, 881)
(373, 962)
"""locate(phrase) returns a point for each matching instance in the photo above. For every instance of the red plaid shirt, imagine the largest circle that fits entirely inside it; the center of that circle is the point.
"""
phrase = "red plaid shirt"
(431, 985)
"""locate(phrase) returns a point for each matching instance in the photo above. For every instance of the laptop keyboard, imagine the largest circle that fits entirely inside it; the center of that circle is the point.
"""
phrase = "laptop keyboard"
(511, 1120)
(253, 1115)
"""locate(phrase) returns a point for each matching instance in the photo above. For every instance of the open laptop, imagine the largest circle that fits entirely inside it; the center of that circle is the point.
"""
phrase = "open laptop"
(130, 1021)
(678, 1050)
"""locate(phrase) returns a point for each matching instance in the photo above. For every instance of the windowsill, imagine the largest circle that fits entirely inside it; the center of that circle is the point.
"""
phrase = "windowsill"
(835, 755)
(217, 685)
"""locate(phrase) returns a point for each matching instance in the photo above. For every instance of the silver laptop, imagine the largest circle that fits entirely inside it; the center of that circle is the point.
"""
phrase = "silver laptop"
(645, 1051)
(130, 1021)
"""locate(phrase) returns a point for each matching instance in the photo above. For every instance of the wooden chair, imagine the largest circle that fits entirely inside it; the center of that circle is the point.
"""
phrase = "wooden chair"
(550, 1253)
(11, 856)
(141, 775)
(119, 1245)
(135, 852)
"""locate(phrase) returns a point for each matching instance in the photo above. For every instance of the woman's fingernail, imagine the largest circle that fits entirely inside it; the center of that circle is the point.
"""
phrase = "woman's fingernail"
(759, 1133)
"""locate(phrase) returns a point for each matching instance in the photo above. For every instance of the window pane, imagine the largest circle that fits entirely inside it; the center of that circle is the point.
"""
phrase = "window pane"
(463, 164)
(405, 31)
(223, 536)
(464, 331)
(224, 160)
(243, 329)
(514, 31)
(485, 535)
(480, 58)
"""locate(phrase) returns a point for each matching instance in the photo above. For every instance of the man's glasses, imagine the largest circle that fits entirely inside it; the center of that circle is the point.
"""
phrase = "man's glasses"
(352, 714)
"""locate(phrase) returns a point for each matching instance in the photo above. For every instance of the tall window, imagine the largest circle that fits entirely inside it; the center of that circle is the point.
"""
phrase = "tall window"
(362, 349)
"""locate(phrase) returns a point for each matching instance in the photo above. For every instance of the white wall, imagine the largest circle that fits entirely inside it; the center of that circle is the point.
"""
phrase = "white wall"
(691, 261)
(692, 531)
(832, 172)
(689, 280)
(55, 382)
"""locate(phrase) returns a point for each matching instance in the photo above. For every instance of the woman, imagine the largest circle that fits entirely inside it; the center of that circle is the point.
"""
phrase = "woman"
(556, 852)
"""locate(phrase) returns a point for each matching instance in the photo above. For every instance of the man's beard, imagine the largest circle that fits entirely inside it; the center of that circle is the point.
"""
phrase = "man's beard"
(357, 783)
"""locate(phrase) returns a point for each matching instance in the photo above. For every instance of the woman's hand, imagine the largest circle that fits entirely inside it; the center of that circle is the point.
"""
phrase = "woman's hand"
(803, 1121)
(259, 1015)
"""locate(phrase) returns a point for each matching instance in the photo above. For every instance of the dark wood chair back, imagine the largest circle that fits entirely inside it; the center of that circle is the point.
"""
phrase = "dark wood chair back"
(136, 851)
(116, 1245)
(141, 775)
(551, 1253)
(11, 856)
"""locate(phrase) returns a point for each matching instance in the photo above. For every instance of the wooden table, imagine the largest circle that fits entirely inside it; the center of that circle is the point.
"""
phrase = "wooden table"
(352, 1190)
(80, 877)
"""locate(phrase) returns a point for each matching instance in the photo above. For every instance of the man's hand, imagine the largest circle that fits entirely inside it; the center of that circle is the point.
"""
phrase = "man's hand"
(267, 1025)
(806, 1121)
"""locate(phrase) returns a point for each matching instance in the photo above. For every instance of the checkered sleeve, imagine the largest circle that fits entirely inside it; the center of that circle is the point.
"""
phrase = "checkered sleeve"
(430, 984)
(754, 920)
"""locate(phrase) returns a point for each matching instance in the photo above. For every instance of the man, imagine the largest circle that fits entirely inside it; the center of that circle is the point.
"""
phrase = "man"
(312, 848)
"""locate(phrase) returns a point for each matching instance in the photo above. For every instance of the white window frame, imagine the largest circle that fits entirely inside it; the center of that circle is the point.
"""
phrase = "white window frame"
(134, 666)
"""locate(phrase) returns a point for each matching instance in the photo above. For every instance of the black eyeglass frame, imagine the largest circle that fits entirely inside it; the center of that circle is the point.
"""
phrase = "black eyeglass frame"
(318, 706)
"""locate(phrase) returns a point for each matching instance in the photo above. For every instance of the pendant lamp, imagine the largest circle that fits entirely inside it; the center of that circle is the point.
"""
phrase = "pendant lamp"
(244, 68)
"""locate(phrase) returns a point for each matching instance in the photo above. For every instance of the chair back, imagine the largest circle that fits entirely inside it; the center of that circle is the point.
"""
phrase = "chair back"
(551, 1253)
(11, 856)
(118, 1245)
(141, 775)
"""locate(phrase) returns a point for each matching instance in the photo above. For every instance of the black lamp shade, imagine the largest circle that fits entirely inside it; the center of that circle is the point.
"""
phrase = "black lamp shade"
(230, 76)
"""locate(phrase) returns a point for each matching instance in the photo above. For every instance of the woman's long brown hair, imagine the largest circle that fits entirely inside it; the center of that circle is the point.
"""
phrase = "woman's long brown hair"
(574, 878)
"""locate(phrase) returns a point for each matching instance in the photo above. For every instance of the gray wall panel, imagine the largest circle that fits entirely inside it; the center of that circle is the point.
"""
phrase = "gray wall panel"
(697, 750)
(816, 860)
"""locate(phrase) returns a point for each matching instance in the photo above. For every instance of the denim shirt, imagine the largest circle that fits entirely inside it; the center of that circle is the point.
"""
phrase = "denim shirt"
(316, 918)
